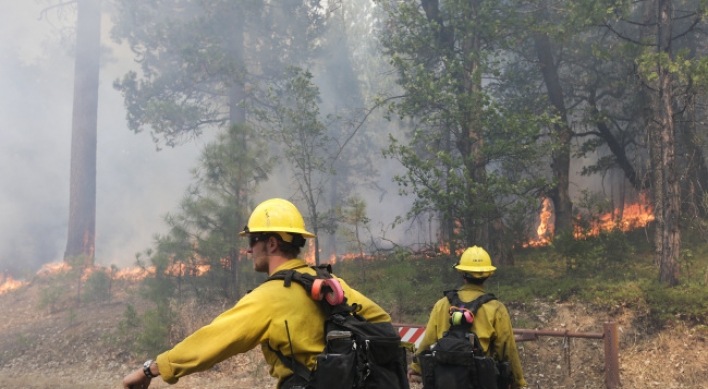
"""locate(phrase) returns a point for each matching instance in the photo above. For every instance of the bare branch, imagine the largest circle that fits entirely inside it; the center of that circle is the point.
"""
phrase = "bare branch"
(371, 110)
(44, 11)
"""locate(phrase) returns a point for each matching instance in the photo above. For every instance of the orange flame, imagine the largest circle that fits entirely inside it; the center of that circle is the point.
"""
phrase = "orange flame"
(53, 268)
(309, 255)
(444, 249)
(8, 284)
(134, 274)
(630, 218)
(546, 228)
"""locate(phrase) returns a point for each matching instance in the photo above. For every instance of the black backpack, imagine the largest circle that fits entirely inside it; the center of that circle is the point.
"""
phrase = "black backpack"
(358, 354)
(457, 360)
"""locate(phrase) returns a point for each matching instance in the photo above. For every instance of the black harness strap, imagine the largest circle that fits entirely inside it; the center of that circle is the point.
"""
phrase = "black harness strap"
(473, 305)
(291, 363)
(306, 280)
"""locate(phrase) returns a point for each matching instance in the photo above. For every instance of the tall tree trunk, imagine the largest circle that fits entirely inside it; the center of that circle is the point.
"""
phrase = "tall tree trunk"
(649, 17)
(237, 116)
(471, 145)
(654, 141)
(671, 234)
(447, 219)
(82, 196)
(235, 46)
(616, 148)
(560, 194)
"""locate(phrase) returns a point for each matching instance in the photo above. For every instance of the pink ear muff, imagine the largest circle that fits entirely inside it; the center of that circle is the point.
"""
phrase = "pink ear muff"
(336, 295)
(317, 293)
(469, 317)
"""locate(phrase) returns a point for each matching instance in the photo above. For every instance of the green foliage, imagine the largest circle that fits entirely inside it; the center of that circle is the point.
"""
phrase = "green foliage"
(685, 302)
(50, 296)
(306, 141)
(97, 287)
(195, 59)
(353, 221)
(404, 284)
(609, 249)
(130, 318)
(468, 156)
(147, 334)
(213, 212)
(607, 280)
(154, 336)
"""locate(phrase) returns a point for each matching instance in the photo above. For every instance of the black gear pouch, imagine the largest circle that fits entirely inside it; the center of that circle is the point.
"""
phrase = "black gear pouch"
(506, 377)
(385, 365)
(454, 370)
(448, 369)
(336, 367)
(335, 370)
(486, 372)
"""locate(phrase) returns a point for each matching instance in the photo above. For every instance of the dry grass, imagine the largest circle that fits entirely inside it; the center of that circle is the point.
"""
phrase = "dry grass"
(69, 349)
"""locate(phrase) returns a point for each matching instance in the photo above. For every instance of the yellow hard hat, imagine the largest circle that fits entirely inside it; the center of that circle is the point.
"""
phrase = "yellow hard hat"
(277, 216)
(476, 262)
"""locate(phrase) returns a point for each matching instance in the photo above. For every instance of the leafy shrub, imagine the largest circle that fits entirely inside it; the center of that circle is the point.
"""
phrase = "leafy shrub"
(684, 302)
(51, 296)
(97, 287)
(146, 334)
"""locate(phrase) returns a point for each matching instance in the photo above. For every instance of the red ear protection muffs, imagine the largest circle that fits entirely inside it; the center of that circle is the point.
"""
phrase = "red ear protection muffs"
(317, 293)
(336, 295)
(328, 289)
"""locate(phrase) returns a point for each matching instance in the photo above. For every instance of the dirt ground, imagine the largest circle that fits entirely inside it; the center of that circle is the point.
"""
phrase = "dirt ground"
(70, 348)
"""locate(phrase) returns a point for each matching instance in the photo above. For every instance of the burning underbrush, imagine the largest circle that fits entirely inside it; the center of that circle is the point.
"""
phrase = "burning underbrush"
(48, 270)
(627, 217)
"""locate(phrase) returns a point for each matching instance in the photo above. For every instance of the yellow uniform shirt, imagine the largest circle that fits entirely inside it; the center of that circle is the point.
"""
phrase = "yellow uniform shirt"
(492, 325)
(259, 319)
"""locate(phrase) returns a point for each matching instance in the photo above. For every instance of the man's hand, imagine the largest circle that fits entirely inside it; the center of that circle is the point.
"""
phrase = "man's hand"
(136, 380)
(414, 376)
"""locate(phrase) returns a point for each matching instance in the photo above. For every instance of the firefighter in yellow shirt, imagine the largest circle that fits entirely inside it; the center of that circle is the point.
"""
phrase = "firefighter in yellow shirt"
(491, 323)
(274, 317)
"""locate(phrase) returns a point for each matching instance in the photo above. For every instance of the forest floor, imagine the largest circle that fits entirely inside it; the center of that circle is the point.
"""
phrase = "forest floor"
(72, 348)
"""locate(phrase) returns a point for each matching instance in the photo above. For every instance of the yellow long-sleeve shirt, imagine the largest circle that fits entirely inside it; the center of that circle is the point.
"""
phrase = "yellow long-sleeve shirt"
(492, 325)
(259, 319)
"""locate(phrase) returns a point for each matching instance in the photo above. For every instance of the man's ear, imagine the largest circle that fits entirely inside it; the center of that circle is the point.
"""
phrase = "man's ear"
(272, 244)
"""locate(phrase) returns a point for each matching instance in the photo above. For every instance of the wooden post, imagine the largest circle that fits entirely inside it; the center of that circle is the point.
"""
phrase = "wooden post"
(611, 340)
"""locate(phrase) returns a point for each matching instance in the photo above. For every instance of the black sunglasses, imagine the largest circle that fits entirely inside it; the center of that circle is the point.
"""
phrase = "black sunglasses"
(253, 239)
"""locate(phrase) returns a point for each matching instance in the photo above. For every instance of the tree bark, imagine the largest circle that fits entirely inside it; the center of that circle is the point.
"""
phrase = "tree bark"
(560, 194)
(671, 234)
(82, 196)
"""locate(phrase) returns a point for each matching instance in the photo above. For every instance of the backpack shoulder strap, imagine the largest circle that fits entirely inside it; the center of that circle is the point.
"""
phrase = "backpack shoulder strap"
(307, 280)
(294, 365)
(288, 276)
(473, 305)
(452, 297)
(479, 301)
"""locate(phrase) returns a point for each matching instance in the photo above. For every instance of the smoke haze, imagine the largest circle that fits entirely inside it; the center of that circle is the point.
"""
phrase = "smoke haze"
(135, 184)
